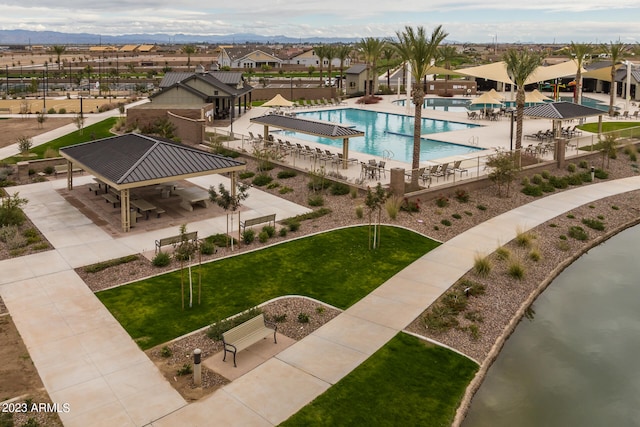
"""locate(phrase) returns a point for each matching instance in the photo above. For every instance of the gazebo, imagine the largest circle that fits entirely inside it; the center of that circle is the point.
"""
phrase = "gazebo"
(310, 127)
(132, 161)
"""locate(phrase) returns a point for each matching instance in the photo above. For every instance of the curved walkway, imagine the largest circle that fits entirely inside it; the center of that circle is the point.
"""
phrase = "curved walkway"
(86, 359)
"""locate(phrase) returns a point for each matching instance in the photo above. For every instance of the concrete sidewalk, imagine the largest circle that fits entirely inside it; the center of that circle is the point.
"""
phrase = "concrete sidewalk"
(86, 359)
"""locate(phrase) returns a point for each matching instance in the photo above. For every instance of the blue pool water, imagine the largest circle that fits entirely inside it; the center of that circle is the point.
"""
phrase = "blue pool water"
(386, 133)
(588, 102)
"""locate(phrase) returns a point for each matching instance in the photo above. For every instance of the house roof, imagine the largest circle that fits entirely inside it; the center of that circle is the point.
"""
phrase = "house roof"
(561, 111)
(356, 69)
(134, 160)
(310, 127)
(226, 81)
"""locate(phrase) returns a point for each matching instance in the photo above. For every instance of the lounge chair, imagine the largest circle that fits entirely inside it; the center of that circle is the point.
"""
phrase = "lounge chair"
(349, 160)
(457, 168)
(635, 115)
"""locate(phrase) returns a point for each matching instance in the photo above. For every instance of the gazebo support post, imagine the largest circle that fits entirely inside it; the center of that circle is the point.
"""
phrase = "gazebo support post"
(125, 211)
(69, 175)
(345, 153)
(599, 124)
(266, 133)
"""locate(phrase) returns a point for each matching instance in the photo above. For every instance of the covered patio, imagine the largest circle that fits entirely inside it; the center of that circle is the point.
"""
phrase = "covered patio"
(128, 162)
(310, 127)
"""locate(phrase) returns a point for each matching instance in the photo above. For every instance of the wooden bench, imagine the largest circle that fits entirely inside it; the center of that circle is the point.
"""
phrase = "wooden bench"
(159, 211)
(94, 188)
(60, 169)
(259, 220)
(174, 240)
(247, 334)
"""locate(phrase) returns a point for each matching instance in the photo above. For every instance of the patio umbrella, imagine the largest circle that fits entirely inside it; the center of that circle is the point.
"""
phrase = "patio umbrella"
(535, 97)
(278, 101)
(485, 101)
(496, 95)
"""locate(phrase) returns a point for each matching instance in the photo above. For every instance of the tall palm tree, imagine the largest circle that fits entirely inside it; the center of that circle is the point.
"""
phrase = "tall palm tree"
(446, 56)
(371, 49)
(582, 53)
(342, 53)
(520, 65)
(418, 50)
(330, 53)
(321, 53)
(189, 50)
(388, 53)
(615, 51)
(58, 50)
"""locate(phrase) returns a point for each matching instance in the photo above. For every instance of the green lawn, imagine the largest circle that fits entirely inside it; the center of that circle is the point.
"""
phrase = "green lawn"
(96, 131)
(335, 267)
(608, 126)
(407, 382)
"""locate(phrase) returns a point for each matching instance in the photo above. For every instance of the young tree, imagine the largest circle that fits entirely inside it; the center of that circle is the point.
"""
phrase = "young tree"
(446, 56)
(504, 170)
(78, 120)
(342, 53)
(58, 50)
(321, 52)
(582, 53)
(185, 250)
(24, 145)
(189, 50)
(418, 50)
(228, 200)
(608, 147)
(371, 49)
(520, 65)
(375, 201)
(41, 117)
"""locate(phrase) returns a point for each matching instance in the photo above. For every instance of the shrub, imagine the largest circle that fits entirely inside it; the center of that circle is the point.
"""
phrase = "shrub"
(248, 236)
(482, 265)
(442, 201)
(547, 187)
(11, 210)
(474, 331)
(439, 319)
(562, 237)
(49, 170)
(553, 225)
(468, 213)
(571, 216)
(524, 239)
(320, 309)
(162, 259)
(563, 246)
(273, 185)
(576, 179)
(546, 174)
(246, 175)
(261, 180)
(318, 182)
(481, 207)
(600, 174)
(207, 247)
(316, 200)
(354, 193)
(535, 255)
(294, 225)
(263, 237)
(593, 224)
(578, 233)
(525, 181)
(339, 189)
(532, 190)
(270, 230)
(503, 253)
(455, 301)
(216, 330)
(283, 232)
(462, 195)
(516, 269)
(286, 174)
(456, 216)
(303, 318)
(50, 153)
(62, 111)
(559, 182)
(474, 316)
(220, 239)
(94, 268)
(571, 167)
(410, 206)
(446, 222)
(10, 235)
(537, 179)
(285, 190)
(185, 370)
(615, 208)
(392, 205)
(280, 318)
(51, 110)
(166, 351)
(583, 164)
(471, 289)
(359, 212)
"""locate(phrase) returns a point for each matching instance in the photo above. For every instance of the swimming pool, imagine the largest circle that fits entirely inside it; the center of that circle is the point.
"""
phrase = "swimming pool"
(386, 134)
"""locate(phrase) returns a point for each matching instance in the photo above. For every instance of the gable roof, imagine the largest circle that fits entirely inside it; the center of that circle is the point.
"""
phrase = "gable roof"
(310, 127)
(132, 160)
(356, 69)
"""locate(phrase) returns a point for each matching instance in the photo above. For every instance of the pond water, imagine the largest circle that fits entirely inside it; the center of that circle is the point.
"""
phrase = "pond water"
(575, 363)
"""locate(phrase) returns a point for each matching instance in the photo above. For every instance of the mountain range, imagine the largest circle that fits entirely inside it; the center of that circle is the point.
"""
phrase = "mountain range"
(27, 37)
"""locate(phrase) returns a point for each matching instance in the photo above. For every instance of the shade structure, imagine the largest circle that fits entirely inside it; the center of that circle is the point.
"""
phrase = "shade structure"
(496, 72)
(563, 69)
(602, 73)
(535, 97)
(485, 101)
(278, 101)
(496, 95)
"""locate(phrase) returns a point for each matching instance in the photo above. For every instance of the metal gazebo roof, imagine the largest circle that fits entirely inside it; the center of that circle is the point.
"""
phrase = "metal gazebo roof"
(325, 130)
(562, 111)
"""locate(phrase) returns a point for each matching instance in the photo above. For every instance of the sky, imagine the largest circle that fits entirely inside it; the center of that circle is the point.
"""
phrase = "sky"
(476, 21)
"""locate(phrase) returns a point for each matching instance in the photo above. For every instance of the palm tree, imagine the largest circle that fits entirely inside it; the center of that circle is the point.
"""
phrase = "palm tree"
(418, 50)
(321, 53)
(371, 48)
(342, 53)
(189, 50)
(59, 50)
(615, 51)
(582, 53)
(446, 56)
(330, 53)
(388, 52)
(520, 65)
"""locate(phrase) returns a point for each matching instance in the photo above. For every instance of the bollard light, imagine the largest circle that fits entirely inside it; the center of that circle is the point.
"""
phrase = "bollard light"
(197, 367)
(593, 173)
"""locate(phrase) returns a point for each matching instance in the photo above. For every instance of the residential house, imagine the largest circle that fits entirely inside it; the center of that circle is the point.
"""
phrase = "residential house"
(247, 57)
(356, 81)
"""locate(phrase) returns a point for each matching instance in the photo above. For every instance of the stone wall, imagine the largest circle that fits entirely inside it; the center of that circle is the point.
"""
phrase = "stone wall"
(190, 131)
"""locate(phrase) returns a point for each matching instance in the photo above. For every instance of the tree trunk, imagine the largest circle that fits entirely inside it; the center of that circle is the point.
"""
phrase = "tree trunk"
(612, 89)
(418, 99)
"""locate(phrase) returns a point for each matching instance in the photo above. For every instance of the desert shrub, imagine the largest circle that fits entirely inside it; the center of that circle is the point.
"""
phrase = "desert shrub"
(359, 212)
(537, 179)
(246, 175)
(11, 210)
(270, 230)
(456, 216)
(248, 236)
(593, 223)
(283, 232)
(442, 201)
(318, 182)
(474, 316)
(571, 167)
(50, 153)
(185, 370)
(546, 174)
(583, 164)
(535, 255)
(316, 200)
(339, 189)
(220, 239)
(440, 319)
(410, 205)
(516, 269)
(293, 225)
(49, 170)
(280, 318)
(166, 351)
(532, 190)
(600, 174)
(615, 208)
(207, 247)
(10, 235)
(481, 207)
(286, 174)
(285, 190)
(503, 253)
(51, 110)
(263, 237)
(162, 259)
(303, 318)
(525, 181)
(94, 268)
(547, 187)
(273, 185)
(261, 180)
(462, 195)
(471, 289)
(482, 265)
(559, 181)
(455, 301)
(571, 216)
(578, 233)
(354, 193)
(524, 239)
(446, 223)
(468, 213)
(392, 206)
(216, 330)
(575, 179)
(62, 111)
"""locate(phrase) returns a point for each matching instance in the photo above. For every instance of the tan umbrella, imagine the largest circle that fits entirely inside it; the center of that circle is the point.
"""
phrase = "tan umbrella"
(278, 101)
(496, 95)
